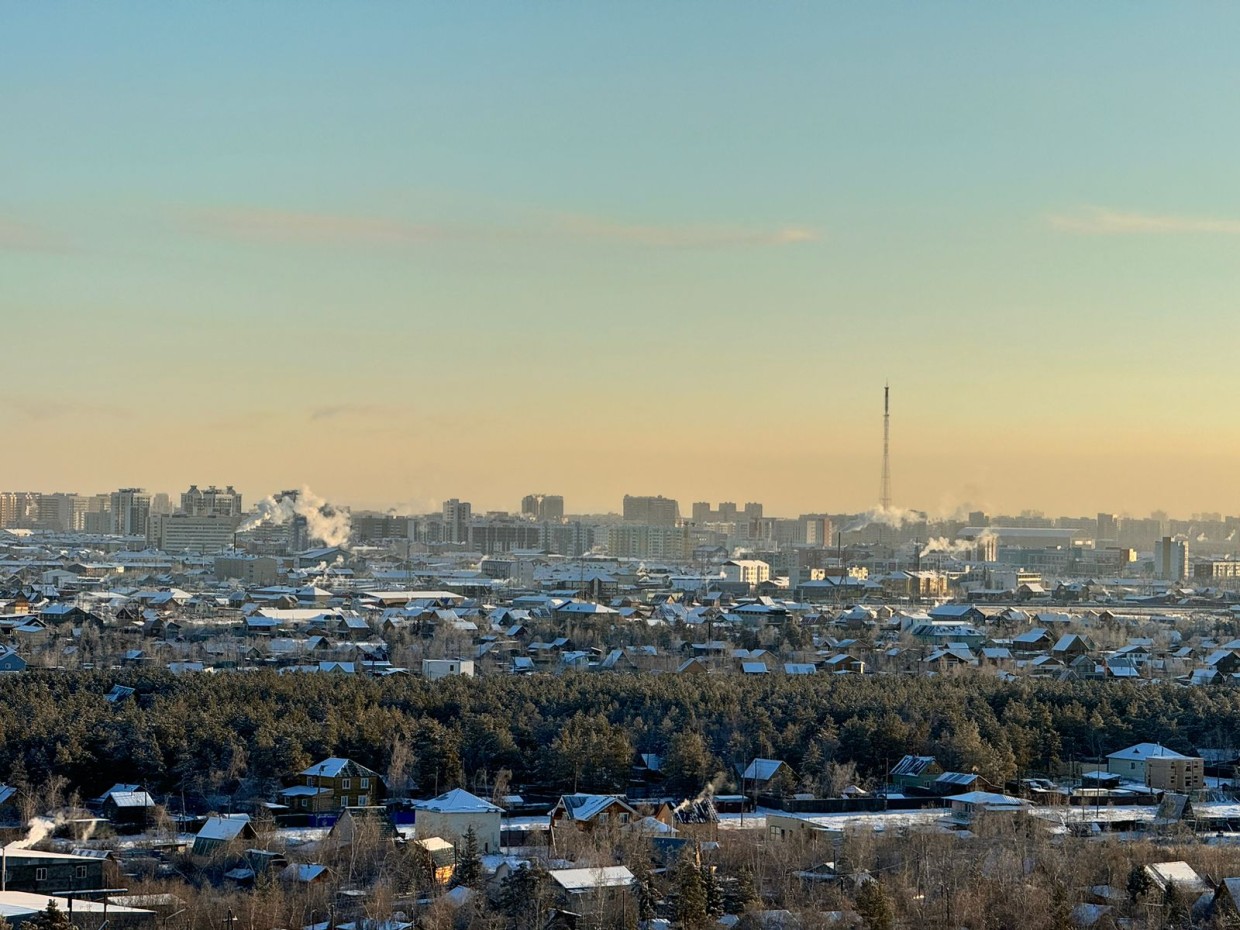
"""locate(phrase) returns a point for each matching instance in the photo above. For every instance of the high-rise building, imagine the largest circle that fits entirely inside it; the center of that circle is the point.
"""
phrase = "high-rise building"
(1107, 529)
(58, 512)
(1171, 558)
(130, 508)
(548, 507)
(161, 504)
(19, 509)
(196, 533)
(211, 501)
(654, 511)
(753, 511)
(727, 511)
(648, 541)
(456, 517)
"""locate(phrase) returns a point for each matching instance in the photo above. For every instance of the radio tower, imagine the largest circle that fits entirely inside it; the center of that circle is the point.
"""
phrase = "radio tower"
(884, 500)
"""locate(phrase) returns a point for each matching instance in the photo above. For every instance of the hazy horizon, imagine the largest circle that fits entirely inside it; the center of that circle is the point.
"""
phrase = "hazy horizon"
(405, 253)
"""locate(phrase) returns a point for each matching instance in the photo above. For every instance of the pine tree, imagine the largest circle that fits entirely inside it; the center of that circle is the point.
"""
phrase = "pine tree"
(1138, 883)
(690, 906)
(51, 919)
(740, 894)
(714, 894)
(645, 892)
(874, 907)
(469, 862)
(521, 897)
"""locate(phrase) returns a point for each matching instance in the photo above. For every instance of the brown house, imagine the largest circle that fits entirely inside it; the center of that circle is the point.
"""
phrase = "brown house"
(332, 785)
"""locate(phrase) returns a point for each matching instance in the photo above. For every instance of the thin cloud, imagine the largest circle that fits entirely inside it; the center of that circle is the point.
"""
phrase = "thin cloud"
(335, 411)
(585, 227)
(1099, 221)
(254, 224)
(249, 224)
(22, 237)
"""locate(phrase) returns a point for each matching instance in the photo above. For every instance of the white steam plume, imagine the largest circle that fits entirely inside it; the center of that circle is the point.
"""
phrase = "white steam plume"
(1231, 536)
(40, 829)
(1202, 537)
(957, 547)
(894, 517)
(324, 522)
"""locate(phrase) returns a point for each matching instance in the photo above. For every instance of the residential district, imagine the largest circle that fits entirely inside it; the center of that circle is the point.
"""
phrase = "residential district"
(134, 591)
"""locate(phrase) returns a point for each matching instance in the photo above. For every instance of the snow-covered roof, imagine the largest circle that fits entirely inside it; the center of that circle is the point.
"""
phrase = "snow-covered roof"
(577, 881)
(458, 801)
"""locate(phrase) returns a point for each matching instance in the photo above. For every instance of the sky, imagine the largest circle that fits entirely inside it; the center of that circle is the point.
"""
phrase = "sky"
(404, 252)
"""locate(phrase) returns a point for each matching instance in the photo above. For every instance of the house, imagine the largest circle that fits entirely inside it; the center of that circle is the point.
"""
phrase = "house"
(366, 820)
(574, 885)
(20, 907)
(764, 774)
(39, 872)
(127, 805)
(452, 814)
(439, 855)
(10, 661)
(1180, 874)
(333, 784)
(1131, 762)
(587, 811)
(305, 873)
(966, 807)
(434, 669)
(916, 772)
(220, 831)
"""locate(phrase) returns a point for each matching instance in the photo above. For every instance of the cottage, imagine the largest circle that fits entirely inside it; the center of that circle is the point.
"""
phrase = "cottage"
(220, 831)
(587, 811)
(916, 772)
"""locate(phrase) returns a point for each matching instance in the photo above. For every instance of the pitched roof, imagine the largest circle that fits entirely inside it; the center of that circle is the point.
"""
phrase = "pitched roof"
(576, 881)
(1145, 751)
(458, 801)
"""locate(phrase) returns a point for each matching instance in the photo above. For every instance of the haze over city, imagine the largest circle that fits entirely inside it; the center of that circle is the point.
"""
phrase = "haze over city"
(403, 254)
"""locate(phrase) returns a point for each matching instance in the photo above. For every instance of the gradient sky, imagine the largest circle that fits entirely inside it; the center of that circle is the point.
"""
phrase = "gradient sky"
(402, 252)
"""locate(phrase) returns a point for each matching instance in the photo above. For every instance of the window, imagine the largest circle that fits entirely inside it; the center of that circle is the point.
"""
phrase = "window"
(310, 780)
(363, 800)
(365, 783)
(346, 783)
(40, 875)
(81, 871)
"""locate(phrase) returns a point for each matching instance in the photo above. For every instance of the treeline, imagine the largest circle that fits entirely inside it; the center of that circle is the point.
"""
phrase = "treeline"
(202, 736)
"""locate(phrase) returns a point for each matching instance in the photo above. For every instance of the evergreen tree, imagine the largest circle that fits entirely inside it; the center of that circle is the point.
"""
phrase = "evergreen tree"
(874, 906)
(690, 905)
(645, 892)
(1138, 883)
(714, 894)
(521, 897)
(53, 918)
(740, 895)
(469, 862)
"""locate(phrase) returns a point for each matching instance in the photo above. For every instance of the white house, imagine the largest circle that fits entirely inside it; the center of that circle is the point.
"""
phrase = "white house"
(434, 669)
(450, 816)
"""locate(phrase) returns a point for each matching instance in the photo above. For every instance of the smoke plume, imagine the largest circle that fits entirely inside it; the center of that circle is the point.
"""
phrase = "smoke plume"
(40, 829)
(894, 517)
(957, 547)
(324, 522)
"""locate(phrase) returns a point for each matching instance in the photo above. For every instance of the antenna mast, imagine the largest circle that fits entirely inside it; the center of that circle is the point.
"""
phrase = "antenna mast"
(885, 494)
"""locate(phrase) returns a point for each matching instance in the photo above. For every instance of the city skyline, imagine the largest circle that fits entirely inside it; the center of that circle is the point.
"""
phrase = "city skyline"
(440, 239)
